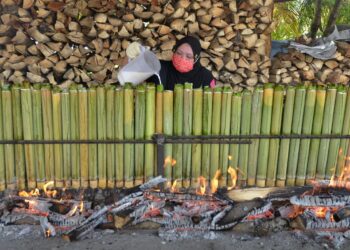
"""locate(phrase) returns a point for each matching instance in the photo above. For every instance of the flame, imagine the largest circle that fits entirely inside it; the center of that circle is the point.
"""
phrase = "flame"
(215, 182)
(202, 185)
(49, 193)
(173, 187)
(233, 174)
(168, 160)
(47, 233)
(81, 207)
(230, 157)
(34, 192)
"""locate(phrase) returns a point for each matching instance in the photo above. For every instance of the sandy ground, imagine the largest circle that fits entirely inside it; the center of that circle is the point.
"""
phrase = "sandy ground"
(30, 237)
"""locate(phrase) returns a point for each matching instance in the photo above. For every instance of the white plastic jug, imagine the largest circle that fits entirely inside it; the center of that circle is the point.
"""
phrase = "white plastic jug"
(139, 69)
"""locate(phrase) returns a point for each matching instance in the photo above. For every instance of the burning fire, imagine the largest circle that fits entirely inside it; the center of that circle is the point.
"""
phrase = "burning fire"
(233, 174)
(36, 192)
(202, 185)
(215, 182)
(168, 160)
(32, 193)
(49, 193)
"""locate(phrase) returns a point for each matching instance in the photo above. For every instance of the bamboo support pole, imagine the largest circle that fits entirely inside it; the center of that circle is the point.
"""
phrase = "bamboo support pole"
(286, 130)
(178, 130)
(264, 144)
(101, 135)
(150, 129)
(316, 130)
(298, 114)
(110, 148)
(256, 113)
(66, 135)
(159, 109)
(187, 131)
(119, 135)
(92, 134)
(306, 129)
(129, 149)
(168, 129)
(83, 135)
(206, 130)
(326, 129)
(140, 120)
(276, 125)
(2, 152)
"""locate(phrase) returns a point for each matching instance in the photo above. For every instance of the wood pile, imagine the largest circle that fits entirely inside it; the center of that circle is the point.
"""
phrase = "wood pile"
(84, 41)
(296, 67)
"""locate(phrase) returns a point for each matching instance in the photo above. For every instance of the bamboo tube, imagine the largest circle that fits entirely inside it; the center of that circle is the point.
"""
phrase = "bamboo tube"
(215, 130)
(9, 149)
(236, 113)
(92, 135)
(83, 135)
(74, 135)
(20, 171)
(150, 129)
(2, 154)
(326, 129)
(206, 130)
(27, 119)
(298, 114)
(57, 135)
(337, 126)
(225, 130)
(159, 109)
(140, 117)
(110, 148)
(286, 130)
(119, 135)
(101, 135)
(178, 130)
(187, 131)
(245, 130)
(66, 135)
(316, 130)
(264, 144)
(276, 124)
(46, 97)
(129, 149)
(306, 129)
(344, 143)
(256, 114)
(168, 129)
(197, 130)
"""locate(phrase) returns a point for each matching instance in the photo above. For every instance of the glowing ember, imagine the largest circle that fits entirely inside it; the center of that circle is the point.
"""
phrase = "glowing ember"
(233, 174)
(202, 185)
(168, 160)
(215, 182)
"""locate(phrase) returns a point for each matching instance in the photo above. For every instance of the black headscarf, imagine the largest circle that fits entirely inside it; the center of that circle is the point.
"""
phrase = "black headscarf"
(199, 75)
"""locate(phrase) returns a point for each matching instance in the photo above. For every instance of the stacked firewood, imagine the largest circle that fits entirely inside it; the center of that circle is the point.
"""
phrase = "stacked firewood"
(84, 41)
(296, 67)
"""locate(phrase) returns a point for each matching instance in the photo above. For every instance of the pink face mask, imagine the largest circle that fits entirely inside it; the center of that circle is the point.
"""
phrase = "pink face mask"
(182, 65)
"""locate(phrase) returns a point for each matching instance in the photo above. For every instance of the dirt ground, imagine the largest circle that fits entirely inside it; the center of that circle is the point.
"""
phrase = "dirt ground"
(31, 237)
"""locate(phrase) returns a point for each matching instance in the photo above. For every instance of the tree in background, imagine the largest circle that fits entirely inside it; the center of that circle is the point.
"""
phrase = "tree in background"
(309, 17)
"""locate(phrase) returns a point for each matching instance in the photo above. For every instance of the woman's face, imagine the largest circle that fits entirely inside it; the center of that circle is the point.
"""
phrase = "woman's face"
(185, 51)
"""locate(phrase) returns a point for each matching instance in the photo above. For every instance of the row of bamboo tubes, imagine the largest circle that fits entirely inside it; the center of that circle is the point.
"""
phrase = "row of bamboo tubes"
(40, 112)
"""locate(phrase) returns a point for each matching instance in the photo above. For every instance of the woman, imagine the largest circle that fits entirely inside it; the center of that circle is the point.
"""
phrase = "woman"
(184, 66)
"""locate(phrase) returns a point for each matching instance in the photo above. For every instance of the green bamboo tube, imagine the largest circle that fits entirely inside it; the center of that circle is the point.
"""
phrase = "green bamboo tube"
(326, 129)
(2, 154)
(83, 135)
(150, 129)
(66, 135)
(215, 130)
(27, 119)
(236, 113)
(276, 125)
(264, 144)
(307, 130)
(337, 126)
(206, 130)
(119, 135)
(20, 171)
(140, 119)
(286, 130)
(187, 131)
(101, 135)
(110, 148)
(159, 109)
(129, 149)
(344, 143)
(316, 130)
(197, 130)
(74, 135)
(92, 133)
(9, 149)
(226, 104)
(38, 134)
(178, 130)
(256, 113)
(168, 129)
(46, 97)
(298, 114)
(245, 130)
(57, 135)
